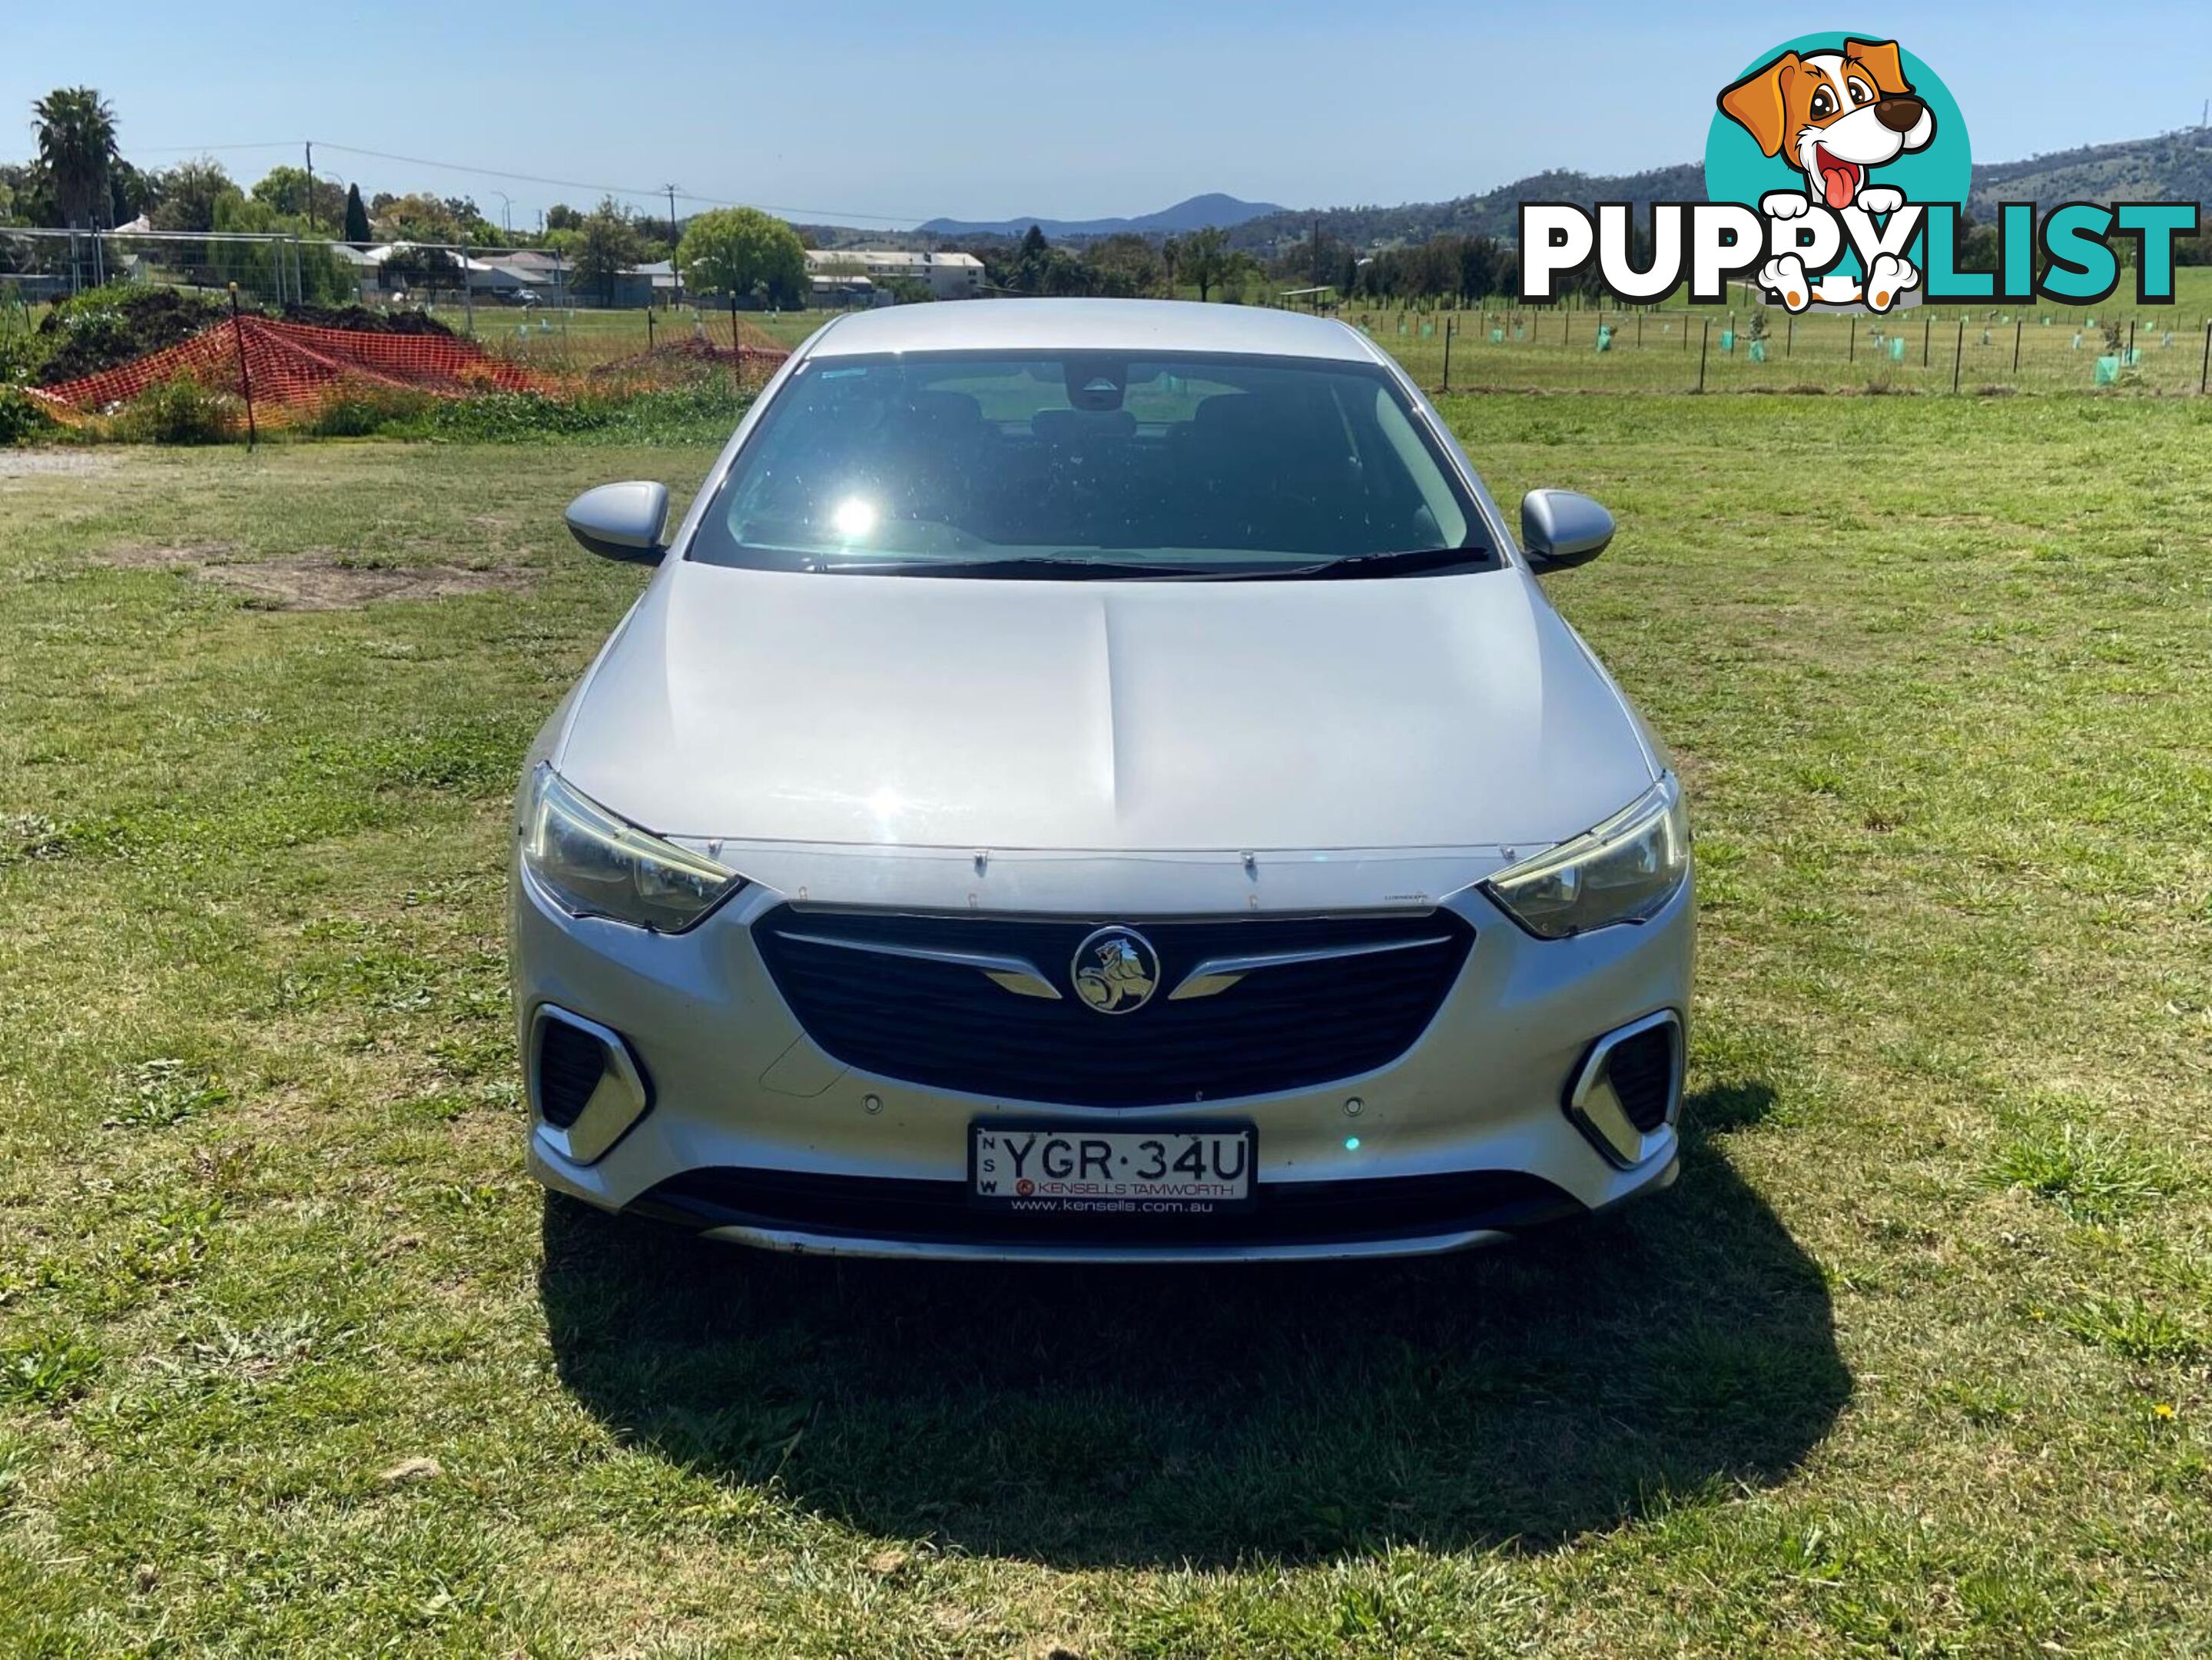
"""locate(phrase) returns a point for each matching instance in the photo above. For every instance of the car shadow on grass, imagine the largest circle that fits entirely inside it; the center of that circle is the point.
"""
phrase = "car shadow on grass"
(1160, 1416)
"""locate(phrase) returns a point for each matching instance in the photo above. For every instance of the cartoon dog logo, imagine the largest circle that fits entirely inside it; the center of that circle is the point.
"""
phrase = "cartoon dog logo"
(1838, 115)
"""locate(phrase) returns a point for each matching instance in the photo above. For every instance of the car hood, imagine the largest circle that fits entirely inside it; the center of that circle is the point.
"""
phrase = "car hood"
(1435, 712)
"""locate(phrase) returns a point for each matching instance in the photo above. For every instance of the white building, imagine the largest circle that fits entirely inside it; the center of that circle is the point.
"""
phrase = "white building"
(946, 275)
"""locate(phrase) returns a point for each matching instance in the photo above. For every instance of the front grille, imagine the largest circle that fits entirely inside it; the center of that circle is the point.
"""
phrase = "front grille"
(948, 1026)
(569, 1065)
(1641, 1070)
(1282, 1213)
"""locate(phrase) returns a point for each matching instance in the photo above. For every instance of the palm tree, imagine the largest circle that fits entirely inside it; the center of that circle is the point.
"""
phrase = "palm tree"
(76, 130)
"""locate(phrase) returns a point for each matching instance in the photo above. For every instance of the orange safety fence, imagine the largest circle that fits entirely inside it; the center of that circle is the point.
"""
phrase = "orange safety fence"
(291, 369)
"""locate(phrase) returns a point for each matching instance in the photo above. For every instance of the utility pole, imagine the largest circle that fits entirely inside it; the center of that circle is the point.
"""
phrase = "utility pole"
(671, 188)
(310, 144)
(506, 212)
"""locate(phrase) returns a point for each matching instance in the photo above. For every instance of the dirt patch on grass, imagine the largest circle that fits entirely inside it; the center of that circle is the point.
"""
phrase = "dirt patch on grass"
(320, 580)
(29, 464)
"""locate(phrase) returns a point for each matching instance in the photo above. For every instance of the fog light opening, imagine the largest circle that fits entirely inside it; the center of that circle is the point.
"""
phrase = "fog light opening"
(586, 1086)
(1627, 1092)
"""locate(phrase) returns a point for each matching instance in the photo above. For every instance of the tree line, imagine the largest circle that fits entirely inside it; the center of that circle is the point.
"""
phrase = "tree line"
(1463, 268)
(79, 178)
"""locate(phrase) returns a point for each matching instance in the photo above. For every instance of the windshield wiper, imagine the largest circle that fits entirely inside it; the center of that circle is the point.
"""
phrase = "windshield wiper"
(1365, 564)
(1048, 569)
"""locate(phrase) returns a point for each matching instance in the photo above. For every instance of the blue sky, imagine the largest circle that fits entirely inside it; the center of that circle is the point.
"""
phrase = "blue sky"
(980, 109)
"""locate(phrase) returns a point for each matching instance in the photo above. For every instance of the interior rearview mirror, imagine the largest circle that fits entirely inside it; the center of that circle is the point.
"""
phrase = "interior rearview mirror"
(1559, 528)
(621, 521)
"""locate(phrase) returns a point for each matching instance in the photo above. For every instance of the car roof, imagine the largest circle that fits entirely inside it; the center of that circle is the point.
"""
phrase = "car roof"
(1131, 325)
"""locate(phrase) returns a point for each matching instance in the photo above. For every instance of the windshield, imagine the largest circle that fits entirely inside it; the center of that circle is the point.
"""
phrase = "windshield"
(1074, 464)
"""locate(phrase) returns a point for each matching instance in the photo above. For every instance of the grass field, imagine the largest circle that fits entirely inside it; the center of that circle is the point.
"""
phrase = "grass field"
(1924, 349)
(1912, 1361)
(1556, 349)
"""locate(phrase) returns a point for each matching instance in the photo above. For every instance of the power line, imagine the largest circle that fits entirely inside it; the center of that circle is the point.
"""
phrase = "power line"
(179, 149)
(835, 214)
(618, 189)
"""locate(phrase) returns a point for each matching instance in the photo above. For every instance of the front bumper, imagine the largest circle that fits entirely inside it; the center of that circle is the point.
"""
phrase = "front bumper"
(752, 1132)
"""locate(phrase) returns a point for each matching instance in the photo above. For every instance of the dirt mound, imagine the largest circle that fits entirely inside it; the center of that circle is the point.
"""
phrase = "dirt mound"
(360, 319)
(110, 326)
(683, 359)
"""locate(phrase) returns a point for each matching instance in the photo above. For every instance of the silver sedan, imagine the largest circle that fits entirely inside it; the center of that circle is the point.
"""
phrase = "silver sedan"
(1098, 780)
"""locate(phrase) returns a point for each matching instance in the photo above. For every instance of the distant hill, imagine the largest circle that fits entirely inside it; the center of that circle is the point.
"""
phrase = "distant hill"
(1493, 213)
(2174, 167)
(1196, 213)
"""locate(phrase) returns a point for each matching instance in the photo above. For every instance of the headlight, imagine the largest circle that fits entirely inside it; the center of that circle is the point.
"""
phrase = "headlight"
(1621, 872)
(593, 864)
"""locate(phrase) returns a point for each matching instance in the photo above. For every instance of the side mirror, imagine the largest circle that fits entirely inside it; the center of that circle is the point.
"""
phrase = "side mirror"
(1559, 528)
(621, 521)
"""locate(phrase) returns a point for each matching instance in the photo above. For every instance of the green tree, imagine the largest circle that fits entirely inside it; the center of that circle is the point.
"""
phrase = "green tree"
(743, 252)
(297, 194)
(130, 192)
(188, 193)
(1032, 271)
(1203, 258)
(411, 265)
(268, 269)
(356, 218)
(1126, 265)
(607, 245)
(32, 193)
(416, 218)
(561, 216)
(75, 131)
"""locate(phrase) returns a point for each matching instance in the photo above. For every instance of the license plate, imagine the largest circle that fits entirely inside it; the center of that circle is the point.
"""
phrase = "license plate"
(1059, 1168)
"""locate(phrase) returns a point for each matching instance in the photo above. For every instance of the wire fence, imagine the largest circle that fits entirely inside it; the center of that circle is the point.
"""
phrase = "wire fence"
(276, 270)
(532, 307)
(289, 324)
(1751, 348)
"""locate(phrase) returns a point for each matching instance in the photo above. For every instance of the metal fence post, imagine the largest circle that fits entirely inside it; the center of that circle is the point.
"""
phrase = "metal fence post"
(245, 380)
(1927, 334)
(468, 291)
(1448, 335)
(1790, 335)
(1702, 345)
(1851, 346)
(2018, 323)
(2204, 374)
(1959, 352)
